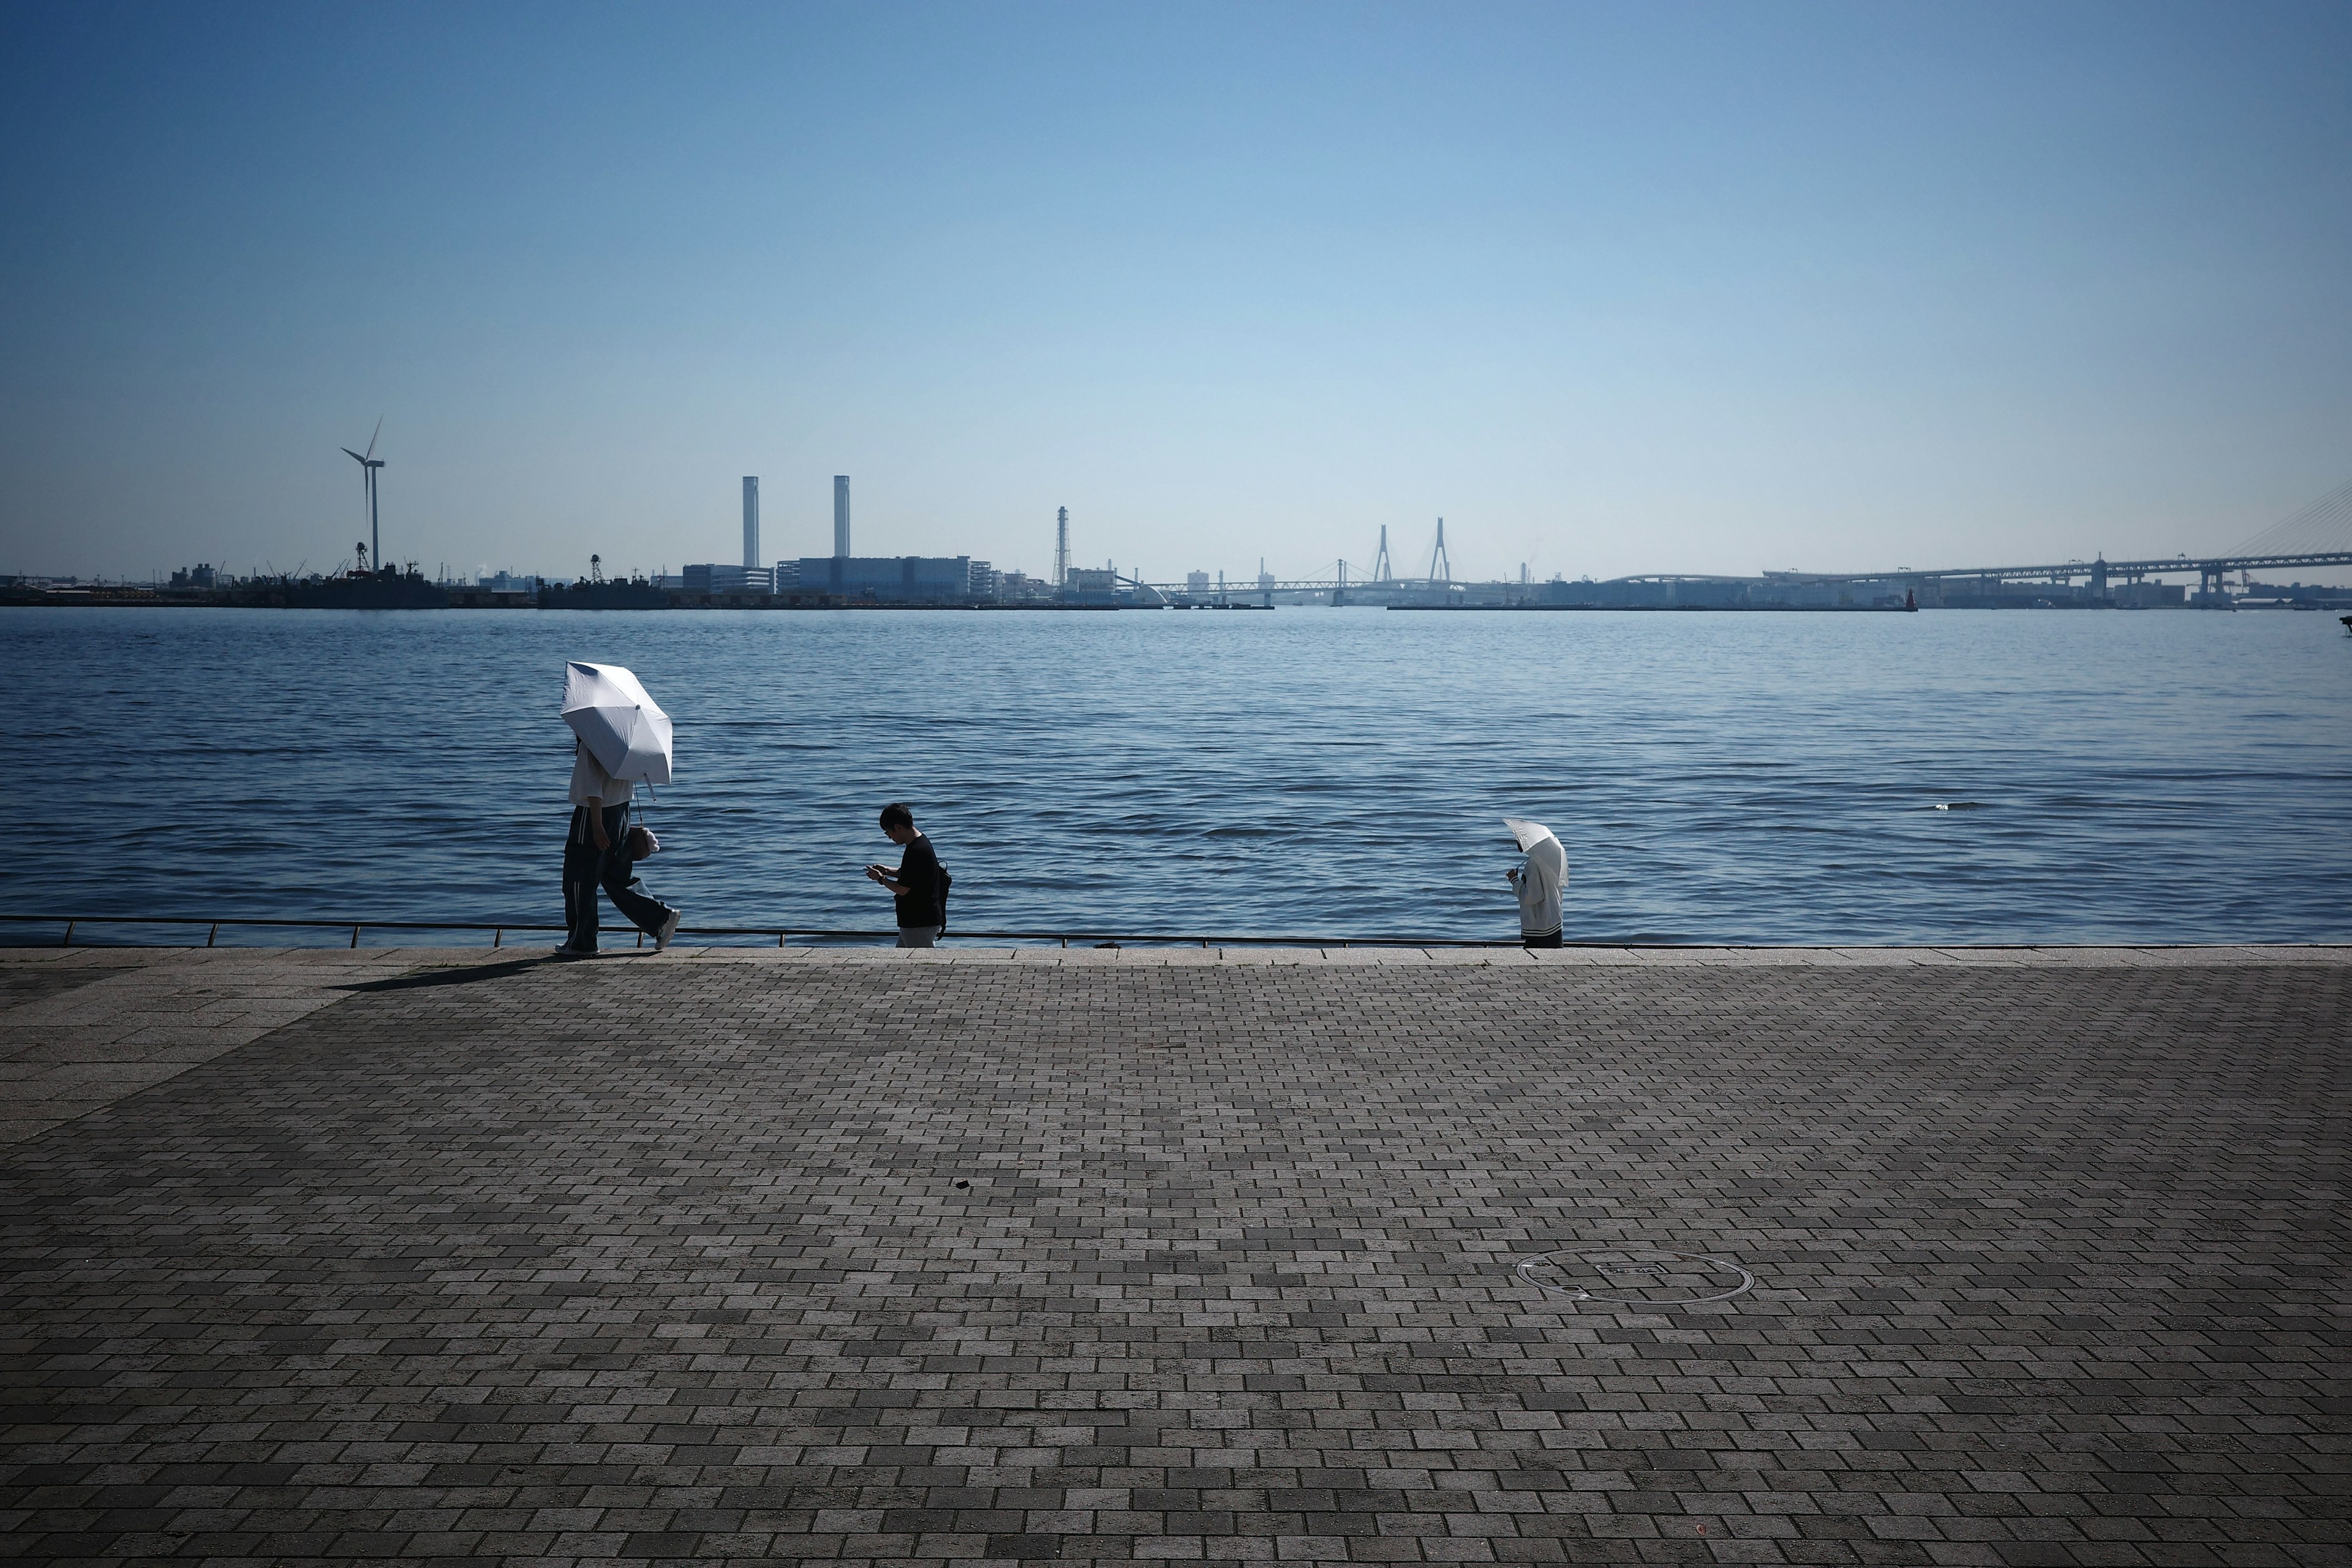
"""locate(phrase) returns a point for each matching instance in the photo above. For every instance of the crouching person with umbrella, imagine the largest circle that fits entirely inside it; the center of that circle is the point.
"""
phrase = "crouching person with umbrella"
(621, 738)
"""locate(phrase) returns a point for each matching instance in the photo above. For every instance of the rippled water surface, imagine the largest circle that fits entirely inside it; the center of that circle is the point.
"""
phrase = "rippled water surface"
(2110, 776)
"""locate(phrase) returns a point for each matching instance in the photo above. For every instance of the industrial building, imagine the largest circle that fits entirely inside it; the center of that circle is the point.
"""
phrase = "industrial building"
(723, 577)
(894, 579)
(842, 578)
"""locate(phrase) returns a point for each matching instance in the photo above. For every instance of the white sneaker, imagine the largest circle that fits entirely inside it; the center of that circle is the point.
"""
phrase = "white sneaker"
(668, 929)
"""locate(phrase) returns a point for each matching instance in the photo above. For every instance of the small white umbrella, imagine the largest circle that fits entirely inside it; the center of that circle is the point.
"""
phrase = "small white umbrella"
(1528, 833)
(1540, 843)
(625, 730)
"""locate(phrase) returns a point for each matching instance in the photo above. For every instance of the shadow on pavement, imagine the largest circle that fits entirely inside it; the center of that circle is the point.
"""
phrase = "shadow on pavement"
(452, 974)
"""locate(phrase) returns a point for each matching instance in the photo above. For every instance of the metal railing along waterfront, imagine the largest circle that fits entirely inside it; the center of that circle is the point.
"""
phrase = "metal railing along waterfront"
(813, 935)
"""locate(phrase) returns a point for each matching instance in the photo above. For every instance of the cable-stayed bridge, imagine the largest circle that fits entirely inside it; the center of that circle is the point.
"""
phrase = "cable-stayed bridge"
(2099, 572)
(2318, 535)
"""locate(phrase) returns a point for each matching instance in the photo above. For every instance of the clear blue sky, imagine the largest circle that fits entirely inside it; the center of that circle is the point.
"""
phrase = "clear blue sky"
(1612, 288)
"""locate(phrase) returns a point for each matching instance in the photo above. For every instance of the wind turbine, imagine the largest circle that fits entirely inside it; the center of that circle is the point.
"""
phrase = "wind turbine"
(369, 463)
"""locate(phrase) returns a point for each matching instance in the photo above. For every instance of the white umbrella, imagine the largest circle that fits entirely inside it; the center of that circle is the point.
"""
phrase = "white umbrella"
(1540, 843)
(1528, 833)
(625, 730)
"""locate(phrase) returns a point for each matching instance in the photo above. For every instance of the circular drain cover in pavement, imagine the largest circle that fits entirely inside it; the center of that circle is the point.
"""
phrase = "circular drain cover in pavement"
(1634, 1274)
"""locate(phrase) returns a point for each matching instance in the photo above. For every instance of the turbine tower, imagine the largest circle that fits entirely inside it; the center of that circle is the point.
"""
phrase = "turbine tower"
(1062, 547)
(1441, 566)
(369, 463)
(1381, 567)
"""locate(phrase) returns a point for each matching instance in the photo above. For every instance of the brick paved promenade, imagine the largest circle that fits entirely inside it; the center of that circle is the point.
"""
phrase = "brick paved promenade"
(913, 1258)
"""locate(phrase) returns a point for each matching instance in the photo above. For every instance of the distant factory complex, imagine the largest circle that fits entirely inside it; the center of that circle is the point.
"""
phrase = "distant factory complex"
(2320, 536)
(844, 579)
(847, 578)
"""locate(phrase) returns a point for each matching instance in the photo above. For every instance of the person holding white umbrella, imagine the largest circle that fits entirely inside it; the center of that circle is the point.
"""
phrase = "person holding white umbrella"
(1539, 880)
(621, 738)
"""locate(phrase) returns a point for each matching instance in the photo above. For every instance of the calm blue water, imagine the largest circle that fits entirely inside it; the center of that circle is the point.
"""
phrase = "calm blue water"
(2154, 776)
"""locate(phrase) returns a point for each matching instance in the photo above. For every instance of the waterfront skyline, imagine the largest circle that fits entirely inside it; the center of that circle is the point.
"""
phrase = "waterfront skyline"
(1682, 290)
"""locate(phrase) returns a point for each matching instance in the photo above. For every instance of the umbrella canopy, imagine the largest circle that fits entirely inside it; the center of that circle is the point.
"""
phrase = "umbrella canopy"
(625, 730)
(1541, 844)
(1528, 833)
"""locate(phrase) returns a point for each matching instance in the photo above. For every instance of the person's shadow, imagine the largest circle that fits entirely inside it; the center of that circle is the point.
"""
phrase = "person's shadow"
(449, 975)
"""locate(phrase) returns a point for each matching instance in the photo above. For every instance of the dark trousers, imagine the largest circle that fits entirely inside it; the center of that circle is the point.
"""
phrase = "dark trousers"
(585, 867)
(1551, 939)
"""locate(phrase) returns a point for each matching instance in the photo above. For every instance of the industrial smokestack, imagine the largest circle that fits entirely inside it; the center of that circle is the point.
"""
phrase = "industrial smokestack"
(841, 515)
(751, 520)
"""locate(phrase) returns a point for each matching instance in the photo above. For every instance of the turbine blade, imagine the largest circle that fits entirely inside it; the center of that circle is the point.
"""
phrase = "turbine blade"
(349, 453)
(379, 431)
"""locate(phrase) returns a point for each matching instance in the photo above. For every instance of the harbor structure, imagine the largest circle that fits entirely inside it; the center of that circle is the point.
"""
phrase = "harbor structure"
(597, 592)
(808, 582)
(750, 521)
(2319, 537)
(841, 517)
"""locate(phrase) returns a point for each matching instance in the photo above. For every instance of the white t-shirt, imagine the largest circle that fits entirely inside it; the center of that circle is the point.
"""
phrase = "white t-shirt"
(592, 784)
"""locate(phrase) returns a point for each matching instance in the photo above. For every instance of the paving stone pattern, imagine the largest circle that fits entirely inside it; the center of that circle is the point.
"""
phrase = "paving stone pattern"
(82, 1027)
(677, 1259)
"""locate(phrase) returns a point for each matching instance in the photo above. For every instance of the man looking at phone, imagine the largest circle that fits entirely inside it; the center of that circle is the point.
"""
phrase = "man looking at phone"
(918, 882)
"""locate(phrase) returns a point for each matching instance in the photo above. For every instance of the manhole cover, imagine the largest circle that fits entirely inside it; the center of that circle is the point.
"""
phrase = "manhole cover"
(1634, 1274)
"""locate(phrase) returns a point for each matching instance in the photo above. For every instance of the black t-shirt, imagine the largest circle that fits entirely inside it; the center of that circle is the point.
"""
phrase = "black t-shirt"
(919, 873)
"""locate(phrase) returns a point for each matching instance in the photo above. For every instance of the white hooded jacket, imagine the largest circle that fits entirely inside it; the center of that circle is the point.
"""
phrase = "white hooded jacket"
(1541, 880)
